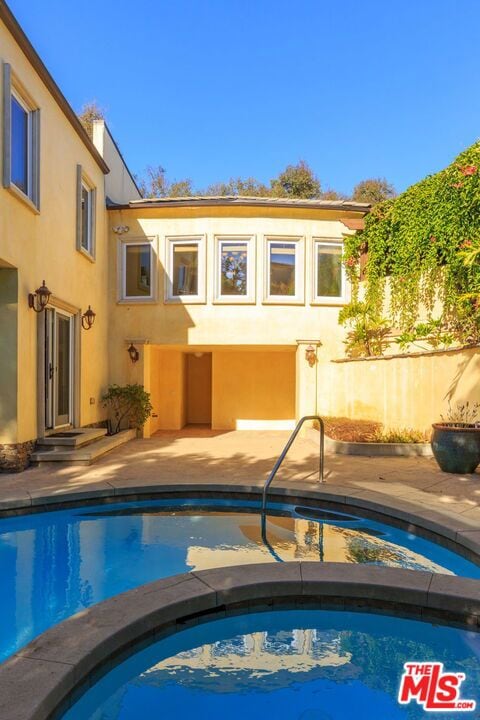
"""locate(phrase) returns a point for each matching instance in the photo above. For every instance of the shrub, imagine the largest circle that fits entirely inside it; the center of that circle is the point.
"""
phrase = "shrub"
(129, 404)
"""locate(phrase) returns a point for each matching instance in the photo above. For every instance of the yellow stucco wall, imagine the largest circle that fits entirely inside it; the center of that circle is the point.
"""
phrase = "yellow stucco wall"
(42, 247)
(402, 392)
(220, 324)
(252, 388)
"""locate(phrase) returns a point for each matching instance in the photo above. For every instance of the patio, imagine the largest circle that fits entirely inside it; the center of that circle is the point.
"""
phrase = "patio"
(201, 457)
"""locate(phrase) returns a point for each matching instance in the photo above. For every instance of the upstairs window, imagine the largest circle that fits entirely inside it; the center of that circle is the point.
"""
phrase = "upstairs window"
(235, 279)
(137, 271)
(329, 281)
(21, 136)
(185, 282)
(86, 215)
(284, 270)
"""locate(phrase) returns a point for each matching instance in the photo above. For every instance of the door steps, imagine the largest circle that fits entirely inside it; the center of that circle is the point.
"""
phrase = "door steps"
(78, 446)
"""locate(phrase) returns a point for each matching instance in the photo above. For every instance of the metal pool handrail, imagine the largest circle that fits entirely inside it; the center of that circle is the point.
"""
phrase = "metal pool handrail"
(287, 448)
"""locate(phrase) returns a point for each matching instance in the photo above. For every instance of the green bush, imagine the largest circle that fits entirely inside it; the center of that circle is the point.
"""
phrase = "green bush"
(128, 404)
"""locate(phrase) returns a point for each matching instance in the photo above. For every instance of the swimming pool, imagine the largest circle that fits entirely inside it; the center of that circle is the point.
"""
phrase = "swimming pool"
(54, 564)
(287, 665)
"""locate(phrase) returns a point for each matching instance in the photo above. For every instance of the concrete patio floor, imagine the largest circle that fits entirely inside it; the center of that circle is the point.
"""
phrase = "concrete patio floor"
(202, 456)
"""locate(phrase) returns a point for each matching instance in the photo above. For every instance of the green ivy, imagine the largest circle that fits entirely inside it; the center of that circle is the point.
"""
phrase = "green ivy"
(427, 242)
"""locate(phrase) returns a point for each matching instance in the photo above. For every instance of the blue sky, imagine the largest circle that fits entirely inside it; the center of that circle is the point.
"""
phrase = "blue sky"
(212, 89)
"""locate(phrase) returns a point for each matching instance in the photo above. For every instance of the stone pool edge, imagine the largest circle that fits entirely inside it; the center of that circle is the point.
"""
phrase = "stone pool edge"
(47, 674)
(460, 534)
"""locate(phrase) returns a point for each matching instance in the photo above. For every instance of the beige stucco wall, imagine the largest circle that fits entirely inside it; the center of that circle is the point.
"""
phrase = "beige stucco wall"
(252, 389)
(119, 184)
(214, 324)
(42, 247)
(402, 392)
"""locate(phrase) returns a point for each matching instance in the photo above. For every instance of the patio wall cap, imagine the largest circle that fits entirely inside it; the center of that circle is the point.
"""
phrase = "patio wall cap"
(42, 677)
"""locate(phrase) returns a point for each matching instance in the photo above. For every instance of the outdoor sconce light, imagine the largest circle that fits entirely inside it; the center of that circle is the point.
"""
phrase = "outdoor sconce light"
(88, 318)
(120, 229)
(133, 352)
(310, 355)
(38, 300)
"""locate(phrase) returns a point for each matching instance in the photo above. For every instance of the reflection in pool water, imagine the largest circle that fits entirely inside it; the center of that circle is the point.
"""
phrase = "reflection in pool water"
(287, 665)
(56, 563)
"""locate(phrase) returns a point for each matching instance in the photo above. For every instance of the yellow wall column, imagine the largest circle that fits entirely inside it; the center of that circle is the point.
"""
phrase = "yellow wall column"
(306, 377)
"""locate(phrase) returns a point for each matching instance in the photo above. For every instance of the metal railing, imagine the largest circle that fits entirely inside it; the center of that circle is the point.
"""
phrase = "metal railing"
(287, 448)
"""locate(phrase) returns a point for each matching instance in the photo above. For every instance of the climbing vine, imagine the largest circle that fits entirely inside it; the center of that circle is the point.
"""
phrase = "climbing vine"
(424, 246)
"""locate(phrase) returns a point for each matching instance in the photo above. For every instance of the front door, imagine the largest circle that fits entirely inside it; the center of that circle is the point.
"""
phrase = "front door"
(58, 368)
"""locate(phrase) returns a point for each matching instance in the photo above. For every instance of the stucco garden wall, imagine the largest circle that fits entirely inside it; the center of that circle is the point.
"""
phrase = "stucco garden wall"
(400, 391)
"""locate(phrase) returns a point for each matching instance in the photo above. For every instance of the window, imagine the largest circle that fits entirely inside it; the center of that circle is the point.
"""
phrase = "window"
(86, 212)
(138, 271)
(21, 135)
(235, 279)
(186, 270)
(284, 270)
(329, 284)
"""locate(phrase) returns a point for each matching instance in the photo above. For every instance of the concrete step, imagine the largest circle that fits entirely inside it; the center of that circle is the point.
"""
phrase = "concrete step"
(85, 455)
(73, 438)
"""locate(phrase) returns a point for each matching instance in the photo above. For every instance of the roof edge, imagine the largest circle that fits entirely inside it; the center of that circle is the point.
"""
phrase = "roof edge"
(242, 201)
(13, 26)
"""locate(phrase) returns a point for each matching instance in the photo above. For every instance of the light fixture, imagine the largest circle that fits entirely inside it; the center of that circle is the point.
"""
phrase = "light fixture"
(310, 355)
(120, 229)
(133, 352)
(88, 318)
(198, 354)
(39, 299)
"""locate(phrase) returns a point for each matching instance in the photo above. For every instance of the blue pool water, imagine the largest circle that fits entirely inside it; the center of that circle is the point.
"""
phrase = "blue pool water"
(54, 564)
(284, 665)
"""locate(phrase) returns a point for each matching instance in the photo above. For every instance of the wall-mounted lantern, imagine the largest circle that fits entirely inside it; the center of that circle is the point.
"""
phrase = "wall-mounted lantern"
(38, 300)
(133, 352)
(88, 318)
(310, 355)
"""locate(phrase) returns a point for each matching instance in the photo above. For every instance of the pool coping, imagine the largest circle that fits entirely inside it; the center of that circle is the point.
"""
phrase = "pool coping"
(49, 673)
(460, 534)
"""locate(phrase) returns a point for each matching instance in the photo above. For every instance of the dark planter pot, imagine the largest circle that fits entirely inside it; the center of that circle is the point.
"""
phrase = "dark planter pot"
(456, 448)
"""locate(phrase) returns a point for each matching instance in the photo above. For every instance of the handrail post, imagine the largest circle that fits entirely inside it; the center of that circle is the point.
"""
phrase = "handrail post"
(287, 447)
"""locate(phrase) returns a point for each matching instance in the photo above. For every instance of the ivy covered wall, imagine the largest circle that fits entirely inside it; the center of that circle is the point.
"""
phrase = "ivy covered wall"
(427, 243)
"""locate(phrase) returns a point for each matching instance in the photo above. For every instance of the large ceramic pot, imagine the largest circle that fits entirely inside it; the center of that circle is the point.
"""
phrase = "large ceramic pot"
(456, 447)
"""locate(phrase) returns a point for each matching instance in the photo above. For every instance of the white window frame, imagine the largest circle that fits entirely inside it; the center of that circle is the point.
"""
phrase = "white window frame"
(14, 89)
(170, 242)
(137, 299)
(85, 185)
(250, 297)
(327, 299)
(299, 297)
(30, 141)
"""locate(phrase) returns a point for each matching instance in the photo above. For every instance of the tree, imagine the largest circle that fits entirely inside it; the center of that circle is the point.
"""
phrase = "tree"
(89, 113)
(373, 191)
(296, 181)
(331, 194)
(156, 185)
(238, 186)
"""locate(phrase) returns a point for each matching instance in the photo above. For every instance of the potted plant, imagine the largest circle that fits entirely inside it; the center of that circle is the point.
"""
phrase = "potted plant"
(456, 439)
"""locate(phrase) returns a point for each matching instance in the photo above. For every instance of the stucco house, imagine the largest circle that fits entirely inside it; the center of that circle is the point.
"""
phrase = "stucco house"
(230, 303)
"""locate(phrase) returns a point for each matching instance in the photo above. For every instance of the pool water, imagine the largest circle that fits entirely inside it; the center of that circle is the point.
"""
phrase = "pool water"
(286, 665)
(54, 564)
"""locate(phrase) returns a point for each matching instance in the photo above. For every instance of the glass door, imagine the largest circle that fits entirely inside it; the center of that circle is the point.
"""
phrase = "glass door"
(58, 368)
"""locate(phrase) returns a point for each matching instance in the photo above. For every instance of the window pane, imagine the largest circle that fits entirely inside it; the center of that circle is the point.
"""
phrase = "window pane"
(19, 146)
(86, 199)
(329, 271)
(185, 270)
(282, 269)
(138, 270)
(233, 268)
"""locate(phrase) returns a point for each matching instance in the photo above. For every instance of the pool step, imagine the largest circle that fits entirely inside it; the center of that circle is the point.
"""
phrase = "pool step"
(86, 454)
